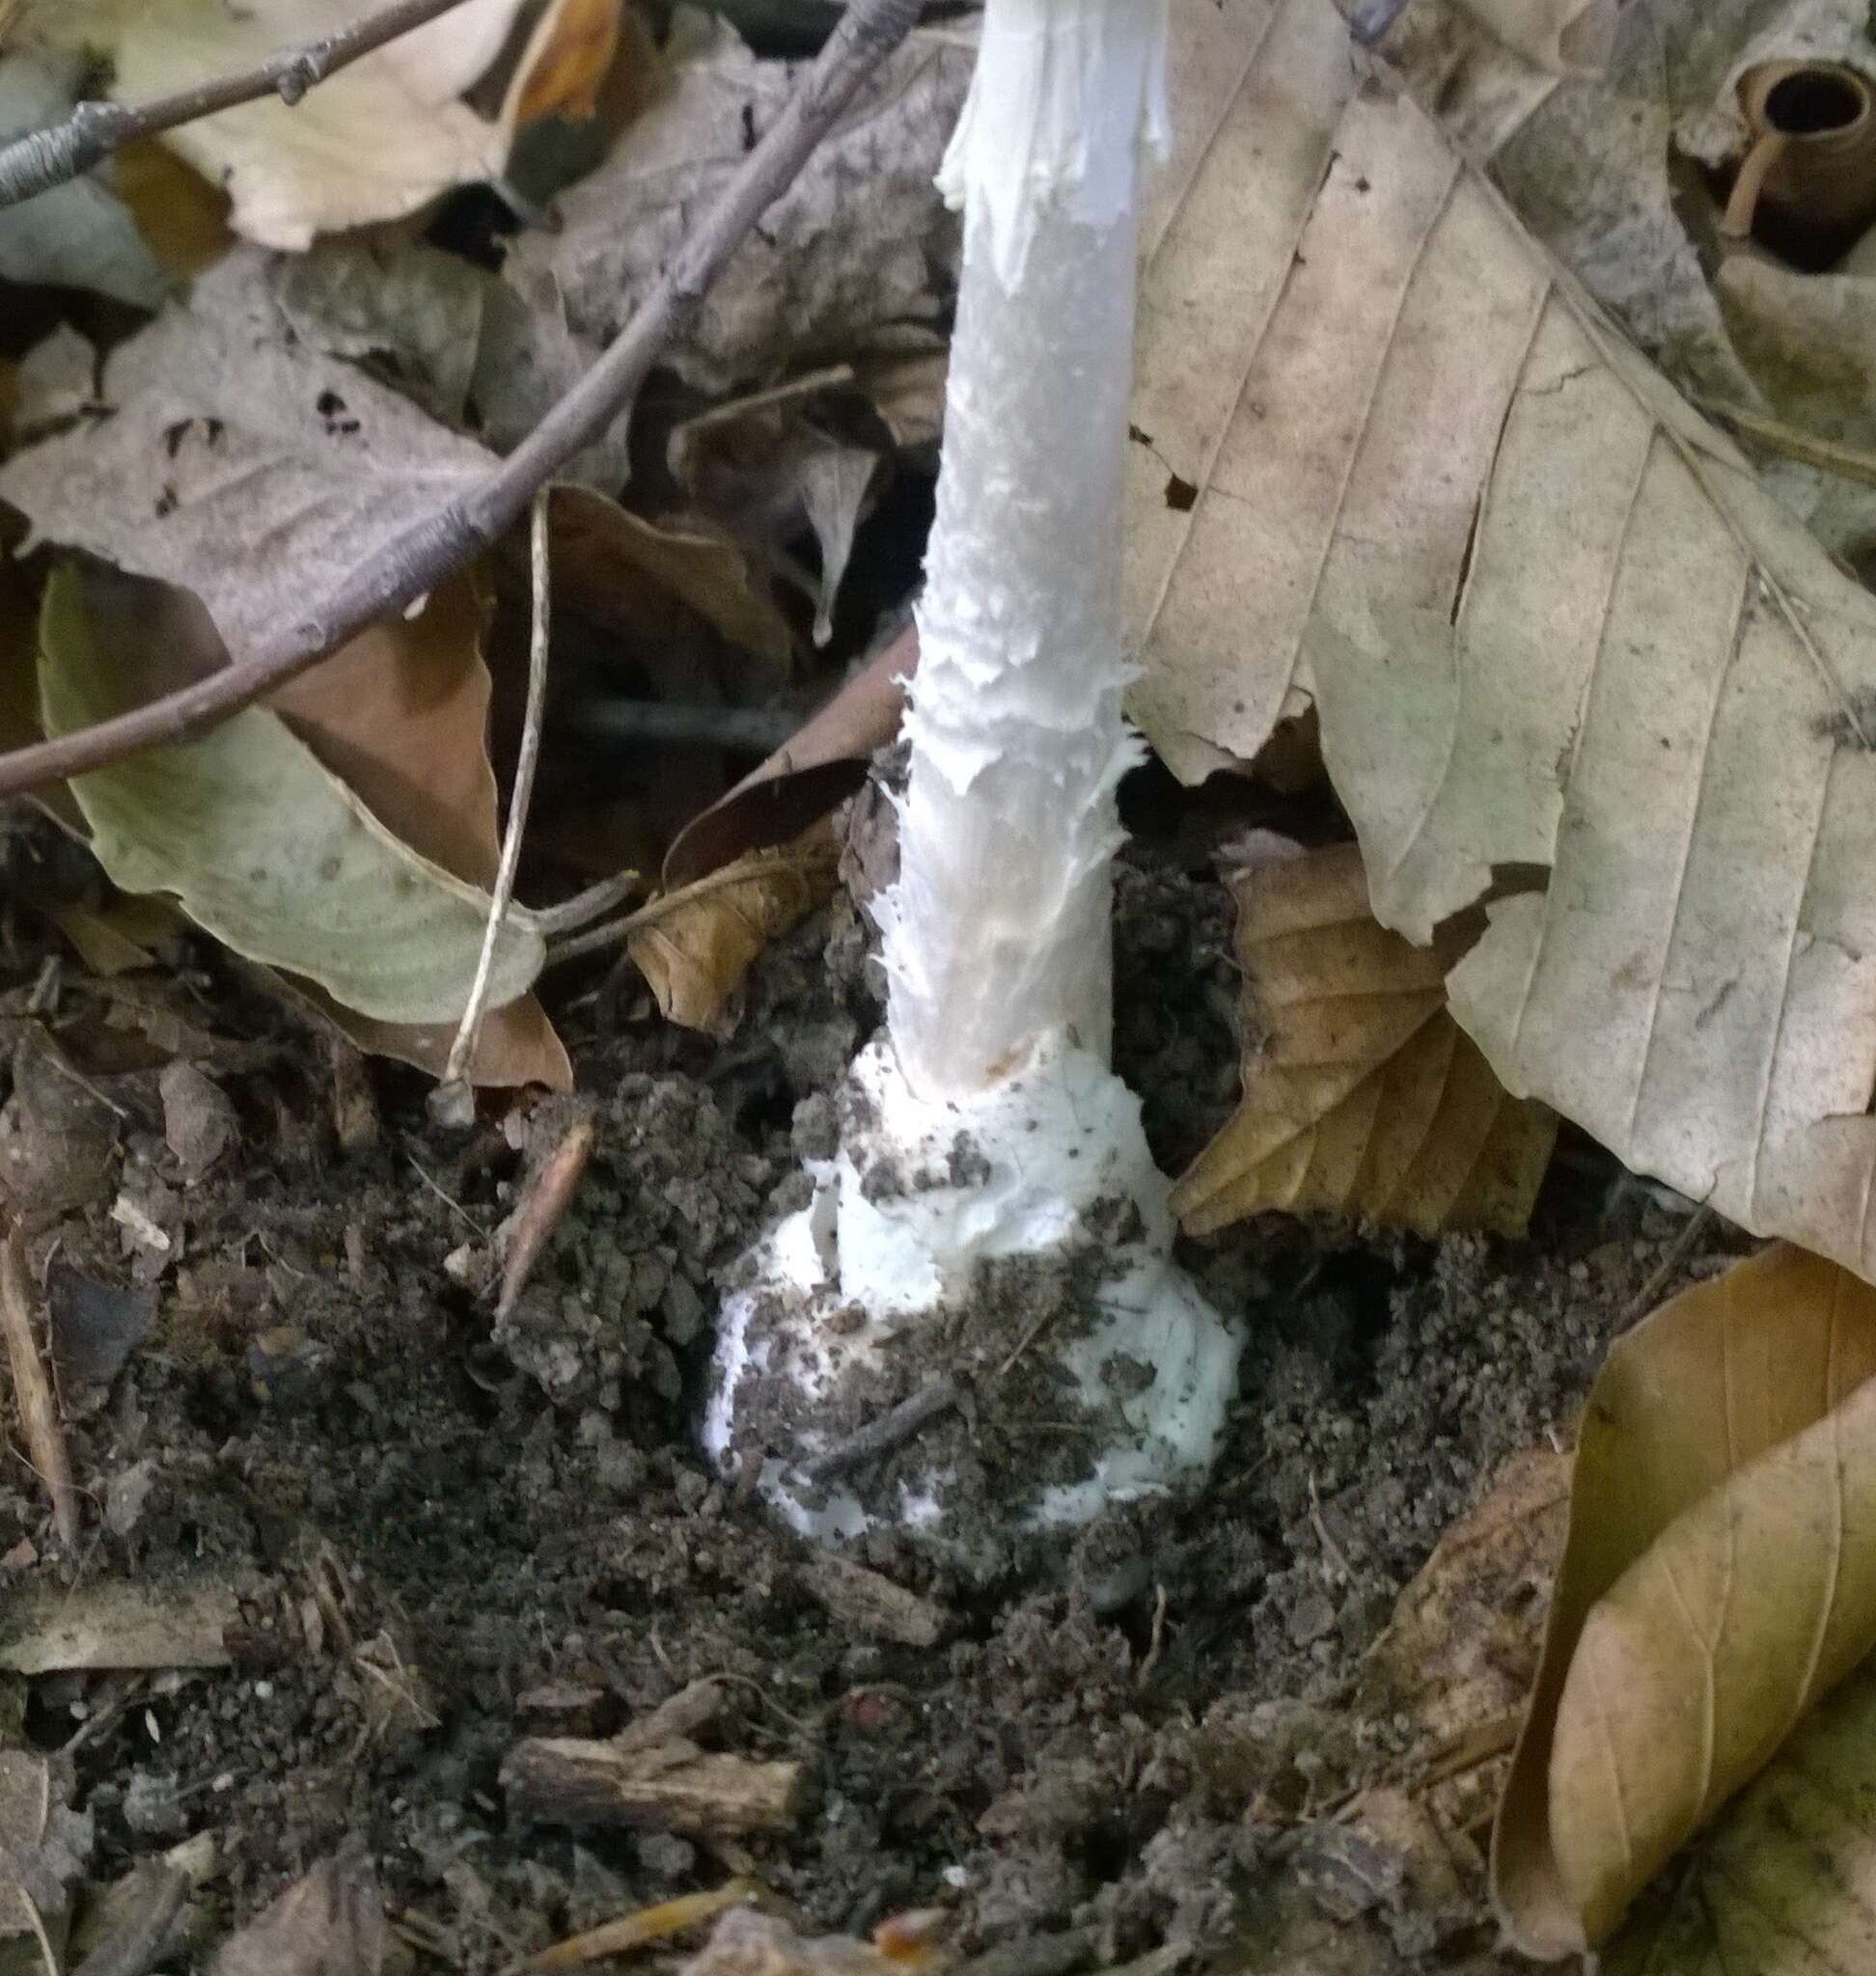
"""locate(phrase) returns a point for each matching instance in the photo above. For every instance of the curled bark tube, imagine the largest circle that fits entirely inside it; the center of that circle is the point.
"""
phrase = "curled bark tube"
(1811, 165)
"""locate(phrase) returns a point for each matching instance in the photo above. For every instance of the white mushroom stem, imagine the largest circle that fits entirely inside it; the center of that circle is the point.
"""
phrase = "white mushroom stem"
(985, 1132)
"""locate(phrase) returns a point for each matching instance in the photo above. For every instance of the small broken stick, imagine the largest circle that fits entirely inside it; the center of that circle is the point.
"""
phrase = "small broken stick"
(38, 1409)
(880, 1437)
(651, 1776)
(634, 1930)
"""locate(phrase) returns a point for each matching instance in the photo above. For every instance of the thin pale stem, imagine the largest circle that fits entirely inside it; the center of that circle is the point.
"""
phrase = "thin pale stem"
(462, 1052)
(416, 561)
(45, 158)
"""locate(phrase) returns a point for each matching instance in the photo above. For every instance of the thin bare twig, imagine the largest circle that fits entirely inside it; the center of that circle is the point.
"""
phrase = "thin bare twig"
(38, 1409)
(452, 1095)
(414, 562)
(585, 907)
(648, 1925)
(45, 158)
(880, 1437)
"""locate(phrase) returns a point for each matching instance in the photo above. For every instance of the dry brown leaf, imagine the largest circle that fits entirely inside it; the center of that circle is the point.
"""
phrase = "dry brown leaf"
(620, 570)
(239, 464)
(566, 67)
(1718, 1579)
(822, 765)
(770, 469)
(1573, 665)
(1365, 1098)
(178, 211)
(697, 944)
(1781, 1885)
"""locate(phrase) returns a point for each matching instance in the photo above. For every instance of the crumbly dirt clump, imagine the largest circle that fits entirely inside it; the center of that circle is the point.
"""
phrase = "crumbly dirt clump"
(439, 1534)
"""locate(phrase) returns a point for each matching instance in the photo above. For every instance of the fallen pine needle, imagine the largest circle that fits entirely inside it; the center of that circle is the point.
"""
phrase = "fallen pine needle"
(38, 1409)
(656, 1923)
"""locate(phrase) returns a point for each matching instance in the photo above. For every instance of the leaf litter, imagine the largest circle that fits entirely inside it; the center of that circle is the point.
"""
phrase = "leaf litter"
(1249, 1704)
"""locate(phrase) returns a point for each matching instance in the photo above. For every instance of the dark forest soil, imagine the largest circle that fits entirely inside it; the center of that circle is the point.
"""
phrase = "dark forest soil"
(448, 1534)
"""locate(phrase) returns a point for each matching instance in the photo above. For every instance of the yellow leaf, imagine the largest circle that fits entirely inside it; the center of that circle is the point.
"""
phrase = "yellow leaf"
(1364, 1097)
(562, 72)
(1718, 1579)
(181, 216)
(696, 945)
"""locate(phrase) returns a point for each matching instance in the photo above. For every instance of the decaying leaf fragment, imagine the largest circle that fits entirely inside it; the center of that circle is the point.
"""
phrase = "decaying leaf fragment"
(1365, 1098)
(245, 466)
(853, 245)
(698, 944)
(1719, 1579)
(331, 1922)
(374, 142)
(1572, 665)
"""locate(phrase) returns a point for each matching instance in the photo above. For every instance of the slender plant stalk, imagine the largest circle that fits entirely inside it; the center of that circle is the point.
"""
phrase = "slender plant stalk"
(462, 1052)
(40, 1425)
(45, 158)
(414, 562)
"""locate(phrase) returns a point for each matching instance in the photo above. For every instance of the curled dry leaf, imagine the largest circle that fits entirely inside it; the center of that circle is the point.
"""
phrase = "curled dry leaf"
(621, 572)
(819, 768)
(694, 947)
(1573, 666)
(268, 850)
(1365, 1098)
(1718, 1581)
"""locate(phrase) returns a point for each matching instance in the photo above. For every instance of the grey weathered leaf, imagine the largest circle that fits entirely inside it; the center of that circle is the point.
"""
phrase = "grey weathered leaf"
(239, 464)
(77, 235)
(850, 246)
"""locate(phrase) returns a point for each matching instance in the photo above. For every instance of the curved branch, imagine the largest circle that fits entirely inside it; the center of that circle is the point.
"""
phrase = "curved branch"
(45, 158)
(414, 562)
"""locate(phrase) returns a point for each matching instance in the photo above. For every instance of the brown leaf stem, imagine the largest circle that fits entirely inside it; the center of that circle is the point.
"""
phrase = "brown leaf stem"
(414, 562)
(45, 158)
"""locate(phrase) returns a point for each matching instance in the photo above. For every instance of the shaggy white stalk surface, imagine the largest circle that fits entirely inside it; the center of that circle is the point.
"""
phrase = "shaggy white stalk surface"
(994, 1217)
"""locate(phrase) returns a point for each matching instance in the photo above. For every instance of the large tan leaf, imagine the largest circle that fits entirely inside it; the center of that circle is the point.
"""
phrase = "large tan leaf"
(1361, 1096)
(1718, 1579)
(375, 140)
(1562, 646)
(269, 851)
(1785, 1885)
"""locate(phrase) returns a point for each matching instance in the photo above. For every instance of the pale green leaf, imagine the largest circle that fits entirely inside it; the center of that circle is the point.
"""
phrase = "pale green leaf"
(271, 853)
